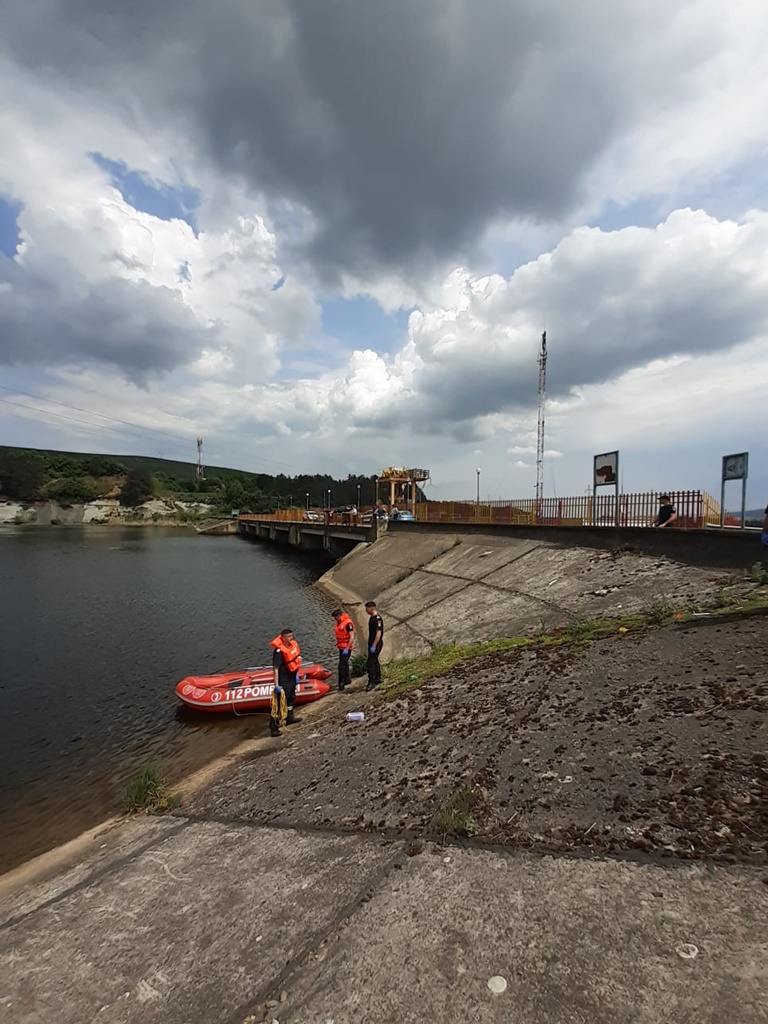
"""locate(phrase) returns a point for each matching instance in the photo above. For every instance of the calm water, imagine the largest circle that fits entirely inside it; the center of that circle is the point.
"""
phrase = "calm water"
(97, 626)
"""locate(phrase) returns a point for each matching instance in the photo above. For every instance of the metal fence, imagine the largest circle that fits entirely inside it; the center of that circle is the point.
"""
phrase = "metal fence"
(695, 509)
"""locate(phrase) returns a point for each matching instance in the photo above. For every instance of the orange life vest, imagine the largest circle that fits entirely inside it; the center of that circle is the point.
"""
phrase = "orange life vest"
(343, 635)
(290, 652)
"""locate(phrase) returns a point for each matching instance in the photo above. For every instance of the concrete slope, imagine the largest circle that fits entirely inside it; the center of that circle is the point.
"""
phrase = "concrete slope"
(236, 924)
(458, 588)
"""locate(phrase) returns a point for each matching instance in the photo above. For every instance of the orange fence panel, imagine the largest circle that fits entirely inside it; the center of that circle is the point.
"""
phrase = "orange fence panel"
(695, 509)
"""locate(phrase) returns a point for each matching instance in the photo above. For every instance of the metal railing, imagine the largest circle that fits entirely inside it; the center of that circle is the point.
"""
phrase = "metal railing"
(695, 510)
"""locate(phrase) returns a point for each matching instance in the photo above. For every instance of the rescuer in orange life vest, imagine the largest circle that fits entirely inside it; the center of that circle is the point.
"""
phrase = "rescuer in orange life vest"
(285, 669)
(345, 641)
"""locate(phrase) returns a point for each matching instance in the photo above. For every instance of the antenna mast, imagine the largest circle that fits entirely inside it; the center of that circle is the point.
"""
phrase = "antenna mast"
(540, 434)
(199, 470)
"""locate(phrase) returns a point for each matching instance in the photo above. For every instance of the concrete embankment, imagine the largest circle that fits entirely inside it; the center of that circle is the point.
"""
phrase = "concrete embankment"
(437, 586)
(384, 871)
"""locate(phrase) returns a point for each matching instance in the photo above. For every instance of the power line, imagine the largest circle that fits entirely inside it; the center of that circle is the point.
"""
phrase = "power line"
(74, 419)
(178, 439)
(90, 412)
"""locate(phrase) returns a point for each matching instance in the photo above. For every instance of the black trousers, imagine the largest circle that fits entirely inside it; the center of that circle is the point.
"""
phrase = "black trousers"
(344, 678)
(374, 668)
(288, 684)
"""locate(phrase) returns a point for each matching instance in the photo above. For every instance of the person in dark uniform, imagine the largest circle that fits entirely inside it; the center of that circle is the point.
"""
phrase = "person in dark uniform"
(285, 670)
(345, 642)
(667, 513)
(375, 641)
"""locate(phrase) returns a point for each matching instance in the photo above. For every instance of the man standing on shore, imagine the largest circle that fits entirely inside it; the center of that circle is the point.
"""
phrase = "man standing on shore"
(285, 671)
(375, 641)
(345, 641)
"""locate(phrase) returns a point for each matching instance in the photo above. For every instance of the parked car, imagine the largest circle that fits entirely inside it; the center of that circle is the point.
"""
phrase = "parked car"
(368, 516)
(312, 517)
(403, 517)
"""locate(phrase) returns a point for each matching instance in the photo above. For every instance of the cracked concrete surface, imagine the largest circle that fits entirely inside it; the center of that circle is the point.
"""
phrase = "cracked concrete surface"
(226, 922)
(458, 588)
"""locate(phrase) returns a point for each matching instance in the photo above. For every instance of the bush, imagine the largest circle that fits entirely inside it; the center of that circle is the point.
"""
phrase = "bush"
(98, 466)
(70, 489)
(139, 487)
(22, 474)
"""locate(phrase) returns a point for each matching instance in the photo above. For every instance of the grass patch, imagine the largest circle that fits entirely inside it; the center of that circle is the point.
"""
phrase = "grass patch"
(459, 813)
(147, 792)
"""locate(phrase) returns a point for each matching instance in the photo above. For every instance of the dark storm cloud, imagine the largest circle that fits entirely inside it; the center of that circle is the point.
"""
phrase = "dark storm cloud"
(404, 127)
(138, 328)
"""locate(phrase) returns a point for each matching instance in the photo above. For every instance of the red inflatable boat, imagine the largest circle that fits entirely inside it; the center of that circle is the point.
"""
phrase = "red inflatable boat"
(249, 690)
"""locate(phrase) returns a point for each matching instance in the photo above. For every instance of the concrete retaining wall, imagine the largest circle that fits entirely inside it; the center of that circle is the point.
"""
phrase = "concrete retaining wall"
(713, 548)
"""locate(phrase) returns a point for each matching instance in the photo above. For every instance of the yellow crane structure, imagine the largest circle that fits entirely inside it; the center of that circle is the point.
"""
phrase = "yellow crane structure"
(402, 485)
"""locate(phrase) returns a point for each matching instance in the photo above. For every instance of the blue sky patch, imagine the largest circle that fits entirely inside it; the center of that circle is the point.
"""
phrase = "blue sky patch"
(9, 226)
(644, 213)
(156, 198)
(362, 323)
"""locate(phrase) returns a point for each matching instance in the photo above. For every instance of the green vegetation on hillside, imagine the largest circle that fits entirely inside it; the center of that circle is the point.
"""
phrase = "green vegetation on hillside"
(28, 475)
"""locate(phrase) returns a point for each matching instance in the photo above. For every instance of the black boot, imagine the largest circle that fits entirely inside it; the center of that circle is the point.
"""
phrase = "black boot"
(273, 727)
(292, 719)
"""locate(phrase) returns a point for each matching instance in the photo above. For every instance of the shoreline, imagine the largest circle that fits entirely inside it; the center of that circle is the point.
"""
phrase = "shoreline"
(67, 855)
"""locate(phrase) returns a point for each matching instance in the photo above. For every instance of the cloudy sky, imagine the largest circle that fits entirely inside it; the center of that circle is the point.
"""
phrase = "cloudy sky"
(328, 236)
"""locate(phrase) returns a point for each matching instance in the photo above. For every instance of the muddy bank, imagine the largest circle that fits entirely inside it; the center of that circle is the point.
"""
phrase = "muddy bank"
(651, 742)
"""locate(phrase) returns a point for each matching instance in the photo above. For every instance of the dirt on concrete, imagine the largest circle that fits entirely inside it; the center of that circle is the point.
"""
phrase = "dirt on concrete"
(456, 588)
(646, 743)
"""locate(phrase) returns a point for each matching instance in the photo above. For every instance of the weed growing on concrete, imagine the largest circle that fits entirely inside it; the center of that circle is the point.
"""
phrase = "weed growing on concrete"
(458, 813)
(358, 666)
(758, 573)
(147, 792)
(660, 611)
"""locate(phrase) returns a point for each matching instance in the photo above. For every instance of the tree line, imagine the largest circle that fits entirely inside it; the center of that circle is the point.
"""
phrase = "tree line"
(29, 475)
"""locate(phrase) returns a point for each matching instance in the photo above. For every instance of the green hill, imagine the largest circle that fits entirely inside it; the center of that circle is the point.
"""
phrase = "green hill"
(29, 474)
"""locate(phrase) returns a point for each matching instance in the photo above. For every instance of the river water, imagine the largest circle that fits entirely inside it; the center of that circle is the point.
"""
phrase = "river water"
(97, 625)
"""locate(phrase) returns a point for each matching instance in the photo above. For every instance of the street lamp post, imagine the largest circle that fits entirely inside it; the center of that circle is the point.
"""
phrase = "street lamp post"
(358, 497)
(307, 497)
(478, 485)
(329, 497)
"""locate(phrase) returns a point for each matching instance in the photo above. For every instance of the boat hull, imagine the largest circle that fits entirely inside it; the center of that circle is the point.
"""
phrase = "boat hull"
(249, 690)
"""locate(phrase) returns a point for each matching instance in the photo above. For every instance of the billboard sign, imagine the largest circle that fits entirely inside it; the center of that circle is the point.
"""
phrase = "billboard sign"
(606, 470)
(735, 466)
